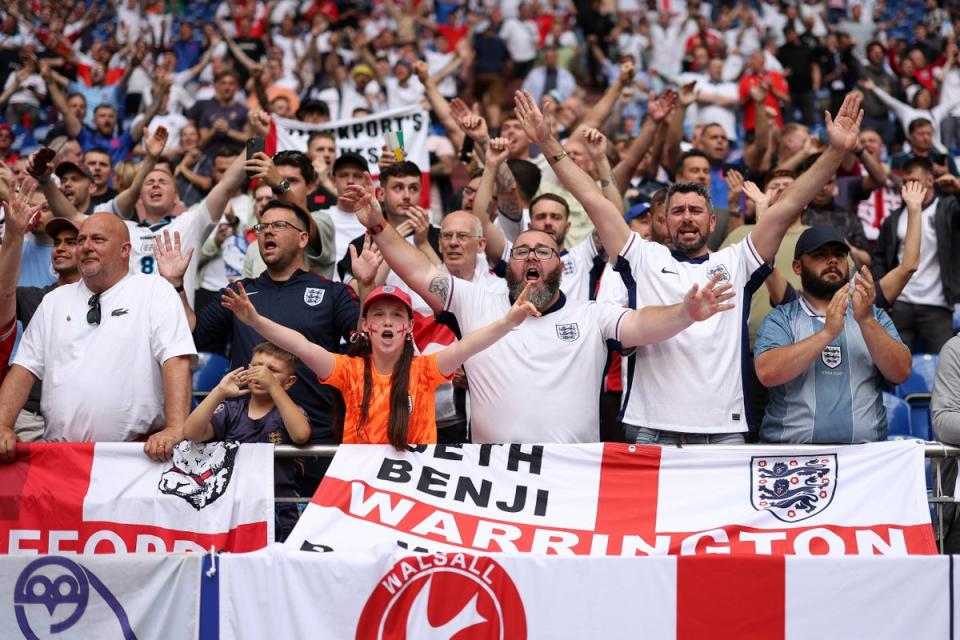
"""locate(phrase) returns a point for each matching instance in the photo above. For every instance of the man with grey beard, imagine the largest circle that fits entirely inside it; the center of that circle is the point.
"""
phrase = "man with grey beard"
(541, 383)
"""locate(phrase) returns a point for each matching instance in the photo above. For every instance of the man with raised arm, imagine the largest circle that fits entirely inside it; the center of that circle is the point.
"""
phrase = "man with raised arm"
(558, 357)
(695, 393)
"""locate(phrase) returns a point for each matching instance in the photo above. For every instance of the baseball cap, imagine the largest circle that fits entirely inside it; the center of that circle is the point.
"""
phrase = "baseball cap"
(817, 236)
(55, 226)
(388, 291)
(363, 70)
(349, 158)
(66, 167)
(636, 211)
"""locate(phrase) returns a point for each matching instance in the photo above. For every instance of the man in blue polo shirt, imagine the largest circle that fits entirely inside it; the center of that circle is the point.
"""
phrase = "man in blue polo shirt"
(825, 355)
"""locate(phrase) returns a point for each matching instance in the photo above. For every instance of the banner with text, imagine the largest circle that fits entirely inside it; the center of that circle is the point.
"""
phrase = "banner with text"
(110, 498)
(397, 596)
(103, 597)
(364, 136)
(623, 500)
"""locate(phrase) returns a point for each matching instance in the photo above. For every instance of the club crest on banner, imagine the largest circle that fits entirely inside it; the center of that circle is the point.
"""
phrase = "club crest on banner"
(313, 296)
(793, 488)
(831, 356)
(61, 588)
(568, 332)
(199, 473)
(436, 597)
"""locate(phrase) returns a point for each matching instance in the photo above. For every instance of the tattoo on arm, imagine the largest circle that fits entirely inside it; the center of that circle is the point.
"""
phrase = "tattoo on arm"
(441, 287)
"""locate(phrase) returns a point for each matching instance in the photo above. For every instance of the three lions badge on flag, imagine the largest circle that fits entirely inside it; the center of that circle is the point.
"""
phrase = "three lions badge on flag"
(110, 498)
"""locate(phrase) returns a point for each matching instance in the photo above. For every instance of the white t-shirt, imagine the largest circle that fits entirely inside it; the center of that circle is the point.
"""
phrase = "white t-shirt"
(193, 224)
(437, 62)
(520, 38)
(399, 96)
(926, 286)
(104, 383)
(714, 113)
(556, 359)
(692, 382)
(346, 229)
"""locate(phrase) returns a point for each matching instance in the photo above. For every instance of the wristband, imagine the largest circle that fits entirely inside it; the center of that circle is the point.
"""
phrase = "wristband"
(377, 228)
(178, 289)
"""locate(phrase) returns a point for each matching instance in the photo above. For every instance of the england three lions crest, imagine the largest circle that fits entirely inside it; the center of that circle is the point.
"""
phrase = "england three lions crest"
(568, 332)
(313, 296)
(793, 488)
(720, 272)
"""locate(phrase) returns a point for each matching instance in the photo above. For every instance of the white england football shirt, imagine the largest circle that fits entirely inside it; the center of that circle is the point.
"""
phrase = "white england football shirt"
(540, 382)
(194, 225)
(692, 382)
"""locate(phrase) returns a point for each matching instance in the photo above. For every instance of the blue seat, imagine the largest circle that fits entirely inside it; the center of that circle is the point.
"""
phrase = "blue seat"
(898, 417)
(956, 318)
(916, 391)
(212, 368)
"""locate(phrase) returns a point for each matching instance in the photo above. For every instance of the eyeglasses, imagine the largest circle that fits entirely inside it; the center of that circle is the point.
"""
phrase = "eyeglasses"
(462, 236)
(540, 252)
(93, 315)
(278, 225)
(469, 191)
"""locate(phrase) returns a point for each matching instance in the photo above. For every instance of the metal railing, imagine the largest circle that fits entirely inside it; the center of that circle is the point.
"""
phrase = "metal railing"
(931, 450)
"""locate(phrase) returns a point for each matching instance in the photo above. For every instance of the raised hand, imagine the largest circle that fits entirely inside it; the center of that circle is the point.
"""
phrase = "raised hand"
(752, 191)
(497, 152)
(259, 121)
(844, 130)
(627, 70)
(864, 294)
(39, 165)
(837, 312)
(238, 302)
(365, 265)
(172, 263)
(360, 198)
(521, 309)
(232, 384)
(758, 92)
(21, 216)
(701, 303)
(687, 94)
(596, 143)
(660, 107)
(420, 221)
(155, 143)
(470, 122)
(420, 69)
(734, 180)
(913, 193)
(536, 124)
(261, 166)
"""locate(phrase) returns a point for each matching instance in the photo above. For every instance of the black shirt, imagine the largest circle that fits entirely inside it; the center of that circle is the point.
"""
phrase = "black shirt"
(28, 299)
(344, 267)
(323, 311)
(799, 59)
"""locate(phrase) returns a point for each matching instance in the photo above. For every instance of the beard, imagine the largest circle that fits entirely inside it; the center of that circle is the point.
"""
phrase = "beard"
(818, 287)
(540, 294)
(689, 247)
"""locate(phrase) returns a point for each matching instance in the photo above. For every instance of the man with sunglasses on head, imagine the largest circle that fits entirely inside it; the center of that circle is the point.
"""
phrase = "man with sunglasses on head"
(113, 351)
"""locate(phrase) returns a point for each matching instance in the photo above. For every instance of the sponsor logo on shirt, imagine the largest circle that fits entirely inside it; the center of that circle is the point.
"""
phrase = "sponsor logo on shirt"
(313, 296)
(119, 312)
(665, 270)
(568, 332)
(831, 356)
(793, 488)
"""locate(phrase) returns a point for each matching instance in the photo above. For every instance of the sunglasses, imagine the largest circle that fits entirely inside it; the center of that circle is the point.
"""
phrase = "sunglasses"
(93, 315)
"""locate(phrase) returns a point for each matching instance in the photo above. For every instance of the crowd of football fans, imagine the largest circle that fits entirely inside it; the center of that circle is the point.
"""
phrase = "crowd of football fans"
(657, 222)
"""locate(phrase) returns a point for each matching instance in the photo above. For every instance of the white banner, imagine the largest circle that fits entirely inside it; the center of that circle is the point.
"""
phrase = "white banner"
(101, 597)
(624, 500)
(364, 136)
(371, 596)
(110, 498)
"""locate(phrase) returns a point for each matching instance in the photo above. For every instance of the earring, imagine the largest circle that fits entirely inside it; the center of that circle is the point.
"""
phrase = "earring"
(409, 337)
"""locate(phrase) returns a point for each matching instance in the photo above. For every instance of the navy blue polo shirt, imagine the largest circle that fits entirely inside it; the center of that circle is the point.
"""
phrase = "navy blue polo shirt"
(323, 311)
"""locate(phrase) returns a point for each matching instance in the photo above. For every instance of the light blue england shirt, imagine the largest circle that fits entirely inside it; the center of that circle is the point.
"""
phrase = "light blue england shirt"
(838, 398)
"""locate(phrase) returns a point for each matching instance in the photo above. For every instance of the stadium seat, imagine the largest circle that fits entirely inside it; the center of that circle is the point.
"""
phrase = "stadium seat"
(211, 369)
(916, 391)
(956, 318)
(898, 417)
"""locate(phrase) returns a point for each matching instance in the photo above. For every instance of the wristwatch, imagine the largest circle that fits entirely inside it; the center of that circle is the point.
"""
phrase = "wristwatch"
(377, 228)
(281, 188)
(560, 156)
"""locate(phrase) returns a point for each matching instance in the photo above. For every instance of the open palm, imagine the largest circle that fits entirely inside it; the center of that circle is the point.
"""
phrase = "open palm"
(845, 128)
